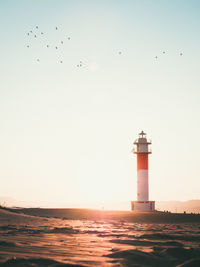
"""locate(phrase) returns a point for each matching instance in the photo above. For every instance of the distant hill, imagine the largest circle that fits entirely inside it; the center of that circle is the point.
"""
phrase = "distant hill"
(179, 206)
(173, 206)
(9, 201)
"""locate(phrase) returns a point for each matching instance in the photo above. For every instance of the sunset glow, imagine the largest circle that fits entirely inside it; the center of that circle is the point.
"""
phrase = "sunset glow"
(69, 115)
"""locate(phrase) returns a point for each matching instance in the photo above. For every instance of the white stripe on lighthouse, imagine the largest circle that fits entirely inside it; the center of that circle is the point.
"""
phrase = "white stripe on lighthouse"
(142, 185)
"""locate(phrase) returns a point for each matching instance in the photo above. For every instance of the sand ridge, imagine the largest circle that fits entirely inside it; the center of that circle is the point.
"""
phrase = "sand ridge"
(95, 238)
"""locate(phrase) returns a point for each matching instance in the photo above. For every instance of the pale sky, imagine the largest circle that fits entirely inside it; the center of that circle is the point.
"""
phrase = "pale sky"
(66, 132)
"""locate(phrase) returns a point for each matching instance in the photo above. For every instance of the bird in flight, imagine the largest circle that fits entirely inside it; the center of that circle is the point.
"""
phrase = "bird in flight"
(56, 28)
(42, 33)
(35, 36)
(56, 47)
(68, 38)
(27, 46)
(156, 57)
(181, 54)
(36, 27)
(163, 52)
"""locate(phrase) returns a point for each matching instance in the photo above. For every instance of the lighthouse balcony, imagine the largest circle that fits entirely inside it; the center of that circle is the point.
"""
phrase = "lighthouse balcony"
(142, 141)
(142, 150)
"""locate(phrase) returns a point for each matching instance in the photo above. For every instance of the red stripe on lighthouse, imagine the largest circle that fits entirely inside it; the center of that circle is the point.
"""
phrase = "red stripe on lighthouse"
(142, 161)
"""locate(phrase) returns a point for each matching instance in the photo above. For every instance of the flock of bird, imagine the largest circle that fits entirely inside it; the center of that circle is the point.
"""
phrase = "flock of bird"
(156, 57)
(38, 33)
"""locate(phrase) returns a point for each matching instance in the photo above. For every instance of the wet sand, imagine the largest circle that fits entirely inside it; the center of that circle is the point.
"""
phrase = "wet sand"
(98, 238)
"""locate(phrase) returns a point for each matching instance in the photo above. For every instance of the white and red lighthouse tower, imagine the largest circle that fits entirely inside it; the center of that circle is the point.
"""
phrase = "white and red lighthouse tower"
(142, 150)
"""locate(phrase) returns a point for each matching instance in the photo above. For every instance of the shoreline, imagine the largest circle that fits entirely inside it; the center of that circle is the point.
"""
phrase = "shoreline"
(91, 214)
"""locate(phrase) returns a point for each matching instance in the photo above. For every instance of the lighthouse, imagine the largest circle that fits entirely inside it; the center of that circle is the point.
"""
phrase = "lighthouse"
(142, 150)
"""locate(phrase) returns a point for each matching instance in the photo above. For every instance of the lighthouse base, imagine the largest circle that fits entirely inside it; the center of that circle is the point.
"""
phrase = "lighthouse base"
(143, 205)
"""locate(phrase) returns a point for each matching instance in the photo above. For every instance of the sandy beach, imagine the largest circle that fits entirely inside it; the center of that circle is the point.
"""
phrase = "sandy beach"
(80, 237)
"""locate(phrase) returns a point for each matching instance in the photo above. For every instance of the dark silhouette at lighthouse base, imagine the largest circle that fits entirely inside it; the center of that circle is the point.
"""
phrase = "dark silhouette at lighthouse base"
(143, 205)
